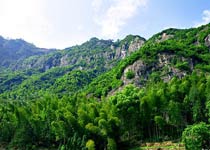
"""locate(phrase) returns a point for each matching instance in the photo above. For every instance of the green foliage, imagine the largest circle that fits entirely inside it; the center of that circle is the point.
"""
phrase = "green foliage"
(111, 145)
(197, 136)
(187, 56)
(183, 66)
(14, 50)
(70, 108)
(90, 145)
(208, 109)
(130, 74)
(159, 121)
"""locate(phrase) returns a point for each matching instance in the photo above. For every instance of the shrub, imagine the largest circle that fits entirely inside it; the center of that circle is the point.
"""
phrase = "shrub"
(130, 74)
(197, 136)
(90, 145)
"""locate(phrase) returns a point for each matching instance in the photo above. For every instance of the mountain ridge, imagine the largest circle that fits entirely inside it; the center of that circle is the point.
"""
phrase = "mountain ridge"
(91, 58)
(178, 59)
(24, 50)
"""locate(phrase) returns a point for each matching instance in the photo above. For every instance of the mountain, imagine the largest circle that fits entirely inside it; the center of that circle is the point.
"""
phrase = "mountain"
(92, 54)
(14, 50)
(111, 95)
(170, 53)
(87, 60)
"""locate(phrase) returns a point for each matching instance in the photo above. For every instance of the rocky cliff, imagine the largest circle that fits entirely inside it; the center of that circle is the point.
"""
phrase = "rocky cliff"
(95, 53)
(172, 53)
(164, 67)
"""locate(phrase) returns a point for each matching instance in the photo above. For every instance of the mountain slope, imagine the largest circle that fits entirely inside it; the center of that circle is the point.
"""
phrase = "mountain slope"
(12, 51)
(158, 93)
(171, 53)
(91, 54)
(45, 72)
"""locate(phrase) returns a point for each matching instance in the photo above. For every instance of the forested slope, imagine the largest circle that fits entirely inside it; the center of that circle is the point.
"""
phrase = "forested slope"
(75, 67)
(15, 50)
(160, 92)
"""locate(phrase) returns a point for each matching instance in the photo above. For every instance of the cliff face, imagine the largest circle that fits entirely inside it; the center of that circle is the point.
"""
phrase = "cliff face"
(170, 53)
(207, 41)
(164, 66)
(127, 47)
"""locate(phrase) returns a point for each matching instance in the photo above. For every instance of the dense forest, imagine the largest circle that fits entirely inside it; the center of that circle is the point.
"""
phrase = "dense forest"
(159, 92)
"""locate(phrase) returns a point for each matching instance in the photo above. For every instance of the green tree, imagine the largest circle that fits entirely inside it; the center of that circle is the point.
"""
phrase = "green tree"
(197, 136)
(90, 145)
(111, 145)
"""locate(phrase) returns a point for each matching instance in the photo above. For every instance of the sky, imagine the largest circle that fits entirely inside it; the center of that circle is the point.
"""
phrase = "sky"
(64, 23)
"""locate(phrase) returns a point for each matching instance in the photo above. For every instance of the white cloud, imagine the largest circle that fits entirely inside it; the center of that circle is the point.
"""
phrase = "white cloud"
(117, 14)
(24, 19)
(97, 4)
(205, 18)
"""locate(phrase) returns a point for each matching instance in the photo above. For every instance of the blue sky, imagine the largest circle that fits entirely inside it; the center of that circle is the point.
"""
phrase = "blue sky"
(63, 23)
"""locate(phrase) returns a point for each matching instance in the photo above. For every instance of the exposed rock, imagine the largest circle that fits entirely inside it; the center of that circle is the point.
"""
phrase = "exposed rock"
(72, 61)
(127, 48)
(164, 37)
(207, 41)
(90, 54)
(139, 68)
(135, 45)
(121, 52)
(164, 65)
(64, 60)
(112, 47)
(118, 52)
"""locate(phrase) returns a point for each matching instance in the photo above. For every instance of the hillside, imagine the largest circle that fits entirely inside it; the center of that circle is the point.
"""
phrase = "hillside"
(94, 53)
(72, 67)
(111, 95)
(15, 50)
(170, 53)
